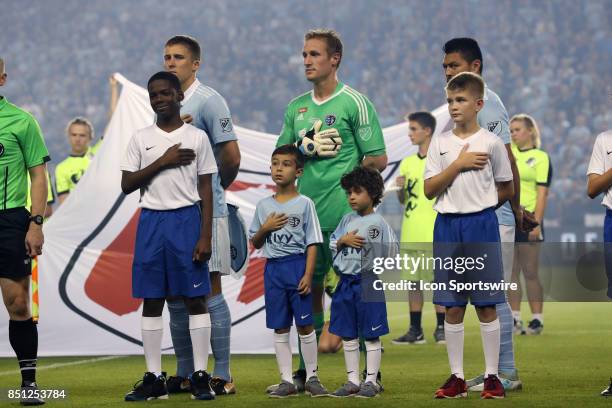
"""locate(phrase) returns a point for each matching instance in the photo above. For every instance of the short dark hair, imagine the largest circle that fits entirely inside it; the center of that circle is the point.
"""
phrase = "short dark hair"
(290, 149)
(331, 37)
(166, 76)
(191, 43)
(467, 81)
(425, 119)
(367, 178)
(467, 47)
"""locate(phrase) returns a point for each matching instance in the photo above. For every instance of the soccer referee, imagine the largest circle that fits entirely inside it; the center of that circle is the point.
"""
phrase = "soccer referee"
(22, 151)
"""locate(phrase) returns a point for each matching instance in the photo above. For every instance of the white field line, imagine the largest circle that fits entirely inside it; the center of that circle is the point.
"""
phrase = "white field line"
(59, 365)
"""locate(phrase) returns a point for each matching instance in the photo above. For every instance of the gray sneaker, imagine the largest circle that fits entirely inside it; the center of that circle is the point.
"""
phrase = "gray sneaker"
(439, 336)
(285, 389)
(347, 390)
(314, 388)
(413, 336)
(368, 390)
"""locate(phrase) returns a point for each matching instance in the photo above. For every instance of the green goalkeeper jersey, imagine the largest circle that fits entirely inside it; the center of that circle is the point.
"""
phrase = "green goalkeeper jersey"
(355, 118)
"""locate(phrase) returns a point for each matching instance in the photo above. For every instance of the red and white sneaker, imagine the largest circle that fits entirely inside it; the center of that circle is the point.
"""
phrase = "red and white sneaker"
(454, 387)
(493, 388)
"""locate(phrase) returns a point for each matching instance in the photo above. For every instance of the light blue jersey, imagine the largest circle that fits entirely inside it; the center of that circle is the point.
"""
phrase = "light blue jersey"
(380, 241)
(211, 114)
(301, 230)
(494, 118)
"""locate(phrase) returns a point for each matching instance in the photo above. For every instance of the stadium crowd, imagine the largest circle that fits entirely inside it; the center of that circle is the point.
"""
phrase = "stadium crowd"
(541, 58)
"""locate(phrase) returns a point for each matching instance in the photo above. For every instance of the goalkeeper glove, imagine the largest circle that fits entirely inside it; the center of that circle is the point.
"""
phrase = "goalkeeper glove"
(315, 143)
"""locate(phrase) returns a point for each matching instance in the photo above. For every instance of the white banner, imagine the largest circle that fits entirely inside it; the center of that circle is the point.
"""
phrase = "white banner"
(86, 307)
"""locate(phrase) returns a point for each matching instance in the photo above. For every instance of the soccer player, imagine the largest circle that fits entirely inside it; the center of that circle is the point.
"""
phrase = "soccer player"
(418, 223)
(337, 128)
(536, 175)
(172, 163)
(80, 134)
(352, 314)
(464, 55)
(207, 110)
(468, 172)
(287, 227)
(599, 175)
(22, 153)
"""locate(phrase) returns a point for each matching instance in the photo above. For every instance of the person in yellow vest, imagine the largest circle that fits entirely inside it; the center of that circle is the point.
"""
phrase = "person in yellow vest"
(80, 134)
(535, 172)
(418, 224)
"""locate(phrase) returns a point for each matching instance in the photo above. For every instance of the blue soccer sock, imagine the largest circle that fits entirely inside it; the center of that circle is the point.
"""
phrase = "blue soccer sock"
(506, 349)
(220, 335)
(181, 338)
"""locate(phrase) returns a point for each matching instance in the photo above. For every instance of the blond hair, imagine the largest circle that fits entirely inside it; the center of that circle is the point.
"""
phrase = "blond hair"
(81, 121)
(532, 125)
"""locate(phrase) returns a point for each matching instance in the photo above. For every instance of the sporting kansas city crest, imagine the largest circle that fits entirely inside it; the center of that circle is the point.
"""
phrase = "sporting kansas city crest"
(373, 232)
(293, 221)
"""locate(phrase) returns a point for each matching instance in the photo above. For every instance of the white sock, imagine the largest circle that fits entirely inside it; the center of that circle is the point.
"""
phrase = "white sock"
(283, 356)
(516, 315)
(454, 334)
(152, 329)
(309, 353)
(490, 343)
(351, 358)
(199, 331)
(538, 316)
(373, 357)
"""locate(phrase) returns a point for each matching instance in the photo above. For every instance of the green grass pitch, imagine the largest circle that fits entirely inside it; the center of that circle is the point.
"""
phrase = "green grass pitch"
(568, 365)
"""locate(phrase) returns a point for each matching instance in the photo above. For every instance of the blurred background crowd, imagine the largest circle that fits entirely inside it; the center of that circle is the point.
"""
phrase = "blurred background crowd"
(550, 59)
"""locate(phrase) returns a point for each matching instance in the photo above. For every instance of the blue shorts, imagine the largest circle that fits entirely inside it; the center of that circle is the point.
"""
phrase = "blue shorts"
(460, 237)
(283, 302)
(163, 254)
(608, 248)
(351, 316)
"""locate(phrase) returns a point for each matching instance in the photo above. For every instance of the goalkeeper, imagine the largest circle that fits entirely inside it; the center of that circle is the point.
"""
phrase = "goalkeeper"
(337, 129)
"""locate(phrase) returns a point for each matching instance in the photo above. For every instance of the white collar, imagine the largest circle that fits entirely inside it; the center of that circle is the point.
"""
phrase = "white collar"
(191, 90)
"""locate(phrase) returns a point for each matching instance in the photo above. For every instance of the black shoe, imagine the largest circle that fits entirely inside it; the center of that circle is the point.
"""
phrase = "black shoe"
(299, 379)
(222, 387)
(413, 336)
(364, 374)
(178, 385)
(200, 386)
(149, 388)
(535, 327)
(29, 390)
(608, 391)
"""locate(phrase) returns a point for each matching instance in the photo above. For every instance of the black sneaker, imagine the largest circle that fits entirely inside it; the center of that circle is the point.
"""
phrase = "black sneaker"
(439, 336)
(608, 391)
(222, 387)
(364, 374)
(149, 388)
(178, 384)
(29, 390)
(535, 327)
(200, 386)
(299, 379)
(413, 336)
